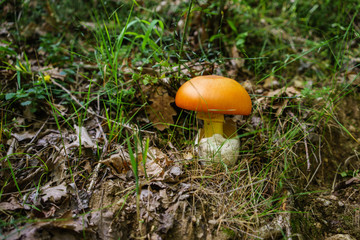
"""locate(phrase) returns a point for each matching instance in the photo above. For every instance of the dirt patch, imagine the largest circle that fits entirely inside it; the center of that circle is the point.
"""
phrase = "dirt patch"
(332, 204)
(326, 214)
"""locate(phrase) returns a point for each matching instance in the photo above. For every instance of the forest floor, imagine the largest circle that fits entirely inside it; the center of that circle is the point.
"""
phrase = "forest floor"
(93, 146)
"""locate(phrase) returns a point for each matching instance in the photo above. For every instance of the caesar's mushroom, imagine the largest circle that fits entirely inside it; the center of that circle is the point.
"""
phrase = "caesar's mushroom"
(211, 97)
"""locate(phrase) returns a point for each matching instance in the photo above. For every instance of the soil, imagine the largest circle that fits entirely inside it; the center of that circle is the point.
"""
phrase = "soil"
(332, 203)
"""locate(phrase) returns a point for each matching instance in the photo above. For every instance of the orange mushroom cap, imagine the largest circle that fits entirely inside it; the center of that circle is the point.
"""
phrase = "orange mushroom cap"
(214, 94)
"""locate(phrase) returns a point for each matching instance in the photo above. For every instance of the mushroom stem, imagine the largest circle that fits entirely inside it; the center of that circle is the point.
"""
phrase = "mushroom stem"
(213, 123)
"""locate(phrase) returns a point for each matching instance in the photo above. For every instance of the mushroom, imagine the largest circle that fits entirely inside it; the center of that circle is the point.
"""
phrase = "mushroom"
(211, 97)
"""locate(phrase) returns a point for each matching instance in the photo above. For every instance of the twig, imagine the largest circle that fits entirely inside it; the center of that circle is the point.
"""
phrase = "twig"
(12, 147)
(104, 151)
(317, 168)
(36, 135)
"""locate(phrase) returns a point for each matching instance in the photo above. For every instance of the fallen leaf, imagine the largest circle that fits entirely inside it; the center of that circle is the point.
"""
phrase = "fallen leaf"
(67, 227)
(160, 111)
(159, 157)
(153, 169)
(173, 174)
(101, 221)
(288, 91)
(54, 194)
(118, 163)
(83, 138)
(12, 205)
(236, 60)
(167, 222)
(23, 136)
(86, 140)
(353, 78)
(188, 155)
(271, 82)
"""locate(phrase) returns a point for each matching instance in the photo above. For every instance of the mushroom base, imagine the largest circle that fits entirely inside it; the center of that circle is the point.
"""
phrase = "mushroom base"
(219, 149)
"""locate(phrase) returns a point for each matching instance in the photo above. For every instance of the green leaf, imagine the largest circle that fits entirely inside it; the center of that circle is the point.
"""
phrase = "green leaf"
(9, 96)
(26, 103)
(232, 25)
(216, 36)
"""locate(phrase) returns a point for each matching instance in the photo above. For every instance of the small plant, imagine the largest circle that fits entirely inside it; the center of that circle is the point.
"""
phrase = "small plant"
(134, 165)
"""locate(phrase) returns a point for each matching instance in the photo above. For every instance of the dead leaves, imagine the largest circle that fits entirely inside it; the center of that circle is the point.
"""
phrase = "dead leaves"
(157, 166)
(118, 162)
(54, 194)
(276, 98)
(11, 205)
(66, 227)
(83, 139)
(45, 202)
(160, 111)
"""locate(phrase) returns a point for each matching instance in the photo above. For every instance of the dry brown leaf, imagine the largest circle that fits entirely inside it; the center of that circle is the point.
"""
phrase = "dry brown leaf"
(153, 169)
(102, 221)
(159, 157)
(289, 91)
(54, 73)
(12, 205)
(353, 78)
(68, 228)
(271, 82)
(280, 107)
(118, 163)
(54, 194)
(24, 135)
(167, 221)
(188, 155)
(160, 111)
(173, 174)
(302, 82)
(85, 140)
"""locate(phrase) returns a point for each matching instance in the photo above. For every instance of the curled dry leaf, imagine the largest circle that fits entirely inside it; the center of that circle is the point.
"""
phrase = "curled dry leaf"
(237, 61)
(160, 111)
(153, 169)
(278, 93)
(157, 155)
